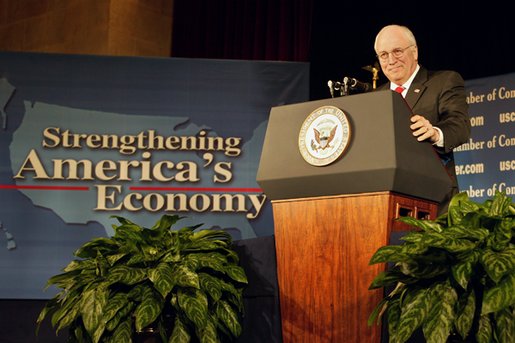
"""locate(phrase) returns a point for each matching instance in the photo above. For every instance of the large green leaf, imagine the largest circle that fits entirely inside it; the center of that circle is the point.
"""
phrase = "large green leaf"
(232, 294)
(378, 312)
(128, 234)
(472, 233)
(121, 220)
(484, 331)
(421, 270)
(115, 303)
(413, 314)
(462, 271)
(136, 292)
(79, 333)
(500, 204)
(499, 296)
(102, 265)
(184, 277)
(112, 259)
(229, 317)
(123, 333)
(465, 313)
(235, 299)
(389, 277)
(413, 237)
(77, 265)
(438, 324)
(151, 251)
(91, 248)
(136, 260)
(439, 240)
(88, 278)
(393, 315)
(99, 332)
(185, 233)
(498, 264)
(149, 308)
(214, 235)
(180, 333)
(459, 206)
(426, 225)
(173, 255)
(230, 255)
(208, 334)
(236, 273)
(70, 296)
(200, 245)
(66, 314)
(69, 317)
(211, 285)
(65, 280)
(123, 314)
(505, 328)
(92, 307)
(126, 275)
(194, 304)
(166, 221)
(389, 253)
(50, 307)
(213, 260)
(162, 278)
(413, 249)
(503, 231)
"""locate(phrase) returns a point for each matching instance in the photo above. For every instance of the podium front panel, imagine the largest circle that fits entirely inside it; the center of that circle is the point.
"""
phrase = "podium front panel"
(382, 154)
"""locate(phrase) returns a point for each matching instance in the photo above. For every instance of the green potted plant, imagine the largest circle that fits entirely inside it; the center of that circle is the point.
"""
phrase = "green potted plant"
(184, 285)
(454, 277)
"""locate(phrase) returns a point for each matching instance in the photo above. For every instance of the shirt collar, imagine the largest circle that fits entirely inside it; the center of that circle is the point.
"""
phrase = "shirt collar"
(406, 84)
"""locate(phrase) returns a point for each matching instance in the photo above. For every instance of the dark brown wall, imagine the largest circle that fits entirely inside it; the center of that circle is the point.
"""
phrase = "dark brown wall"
(103, 27)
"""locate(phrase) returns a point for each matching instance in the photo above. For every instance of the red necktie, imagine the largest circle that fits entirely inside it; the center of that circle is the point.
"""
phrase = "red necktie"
(399, 89)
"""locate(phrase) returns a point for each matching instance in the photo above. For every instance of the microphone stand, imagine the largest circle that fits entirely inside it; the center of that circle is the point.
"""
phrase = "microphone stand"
(343, 87)
(346, 84)
(349, 84)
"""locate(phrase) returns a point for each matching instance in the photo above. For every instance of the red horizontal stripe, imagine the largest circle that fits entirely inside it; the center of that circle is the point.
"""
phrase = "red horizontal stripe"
(136, 188)
(51, 188)
(198, 189)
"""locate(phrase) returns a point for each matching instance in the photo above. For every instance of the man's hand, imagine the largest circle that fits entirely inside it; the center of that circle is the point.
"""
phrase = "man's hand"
(422, 129)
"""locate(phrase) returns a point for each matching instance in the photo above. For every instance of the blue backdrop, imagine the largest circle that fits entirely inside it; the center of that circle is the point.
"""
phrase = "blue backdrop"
(87, 137)
(486, 163)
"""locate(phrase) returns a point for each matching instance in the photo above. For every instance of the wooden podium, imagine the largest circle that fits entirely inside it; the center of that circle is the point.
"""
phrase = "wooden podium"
(330, 220)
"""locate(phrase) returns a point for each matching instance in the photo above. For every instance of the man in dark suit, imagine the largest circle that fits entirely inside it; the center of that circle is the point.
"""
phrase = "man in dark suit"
(437, 99)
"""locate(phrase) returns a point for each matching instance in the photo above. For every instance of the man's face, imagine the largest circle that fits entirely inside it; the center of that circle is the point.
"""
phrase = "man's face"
(397, 56)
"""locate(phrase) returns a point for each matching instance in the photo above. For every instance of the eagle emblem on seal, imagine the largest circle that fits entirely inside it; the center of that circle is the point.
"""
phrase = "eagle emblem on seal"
(323, 138)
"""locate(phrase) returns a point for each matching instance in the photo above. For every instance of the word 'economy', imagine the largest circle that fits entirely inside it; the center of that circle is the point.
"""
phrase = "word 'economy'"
(112, 198)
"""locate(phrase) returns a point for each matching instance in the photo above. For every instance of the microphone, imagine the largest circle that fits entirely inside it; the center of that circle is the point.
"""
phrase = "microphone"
(331, 89)
(358, 85)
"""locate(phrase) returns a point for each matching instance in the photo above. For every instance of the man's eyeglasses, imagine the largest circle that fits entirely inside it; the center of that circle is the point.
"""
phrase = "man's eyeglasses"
(383, 55)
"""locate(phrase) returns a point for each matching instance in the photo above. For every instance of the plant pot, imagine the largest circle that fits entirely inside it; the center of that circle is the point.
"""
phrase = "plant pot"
(149, 335)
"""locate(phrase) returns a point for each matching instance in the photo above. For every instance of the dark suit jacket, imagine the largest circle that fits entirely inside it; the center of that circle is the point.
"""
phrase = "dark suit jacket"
(440, 97)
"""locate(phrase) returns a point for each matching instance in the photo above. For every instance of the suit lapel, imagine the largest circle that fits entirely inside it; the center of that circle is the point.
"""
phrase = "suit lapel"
(417, 88)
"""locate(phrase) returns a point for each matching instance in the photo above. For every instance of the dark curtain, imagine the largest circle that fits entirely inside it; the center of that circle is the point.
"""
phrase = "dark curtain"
(274, 30)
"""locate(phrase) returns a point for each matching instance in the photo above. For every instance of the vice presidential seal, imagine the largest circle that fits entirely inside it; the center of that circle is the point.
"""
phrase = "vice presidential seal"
(324, 136)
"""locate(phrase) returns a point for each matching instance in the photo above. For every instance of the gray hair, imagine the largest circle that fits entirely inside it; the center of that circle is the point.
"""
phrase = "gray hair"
(407, 32)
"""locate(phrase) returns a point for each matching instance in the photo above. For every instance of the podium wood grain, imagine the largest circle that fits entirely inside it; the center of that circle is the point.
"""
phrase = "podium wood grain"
(323, 247)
